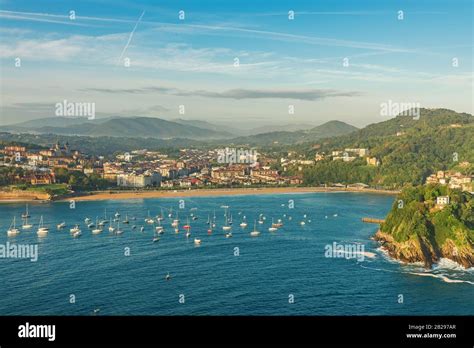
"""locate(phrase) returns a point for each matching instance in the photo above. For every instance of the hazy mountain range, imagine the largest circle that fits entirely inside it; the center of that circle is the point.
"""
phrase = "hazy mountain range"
(150, 127)
(439, 130)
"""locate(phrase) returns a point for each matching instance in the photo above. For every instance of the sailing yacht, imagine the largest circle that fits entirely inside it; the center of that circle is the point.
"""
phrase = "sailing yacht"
(243, 224)
(159, 229)
(75, 229)
(104, 220)
(160, 217)
(42, 231)
(226, 227)
(126, 219)
(98, 229)
(255, 233)
(118, 230)
(13, 231)
(278, 224)
(273, 228)
(111, 227)
(26, 214)
(26, 225)
(187, 226)
(149, 220)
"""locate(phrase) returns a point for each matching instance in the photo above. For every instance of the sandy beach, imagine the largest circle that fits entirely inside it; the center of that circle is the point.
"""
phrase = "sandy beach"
(116, 195)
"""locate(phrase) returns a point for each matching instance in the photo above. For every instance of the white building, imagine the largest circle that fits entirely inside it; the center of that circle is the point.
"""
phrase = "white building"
(442, 200)
(138, 180)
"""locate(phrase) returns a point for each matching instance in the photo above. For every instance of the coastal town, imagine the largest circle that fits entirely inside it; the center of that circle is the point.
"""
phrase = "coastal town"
(191, 168)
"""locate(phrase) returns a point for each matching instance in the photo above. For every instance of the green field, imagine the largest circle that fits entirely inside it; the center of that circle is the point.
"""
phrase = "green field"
(52, 189)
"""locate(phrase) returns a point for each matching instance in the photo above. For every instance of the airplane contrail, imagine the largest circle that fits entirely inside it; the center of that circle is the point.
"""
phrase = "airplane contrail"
(130, 37)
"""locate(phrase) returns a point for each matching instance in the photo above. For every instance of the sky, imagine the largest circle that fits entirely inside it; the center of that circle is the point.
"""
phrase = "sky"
(241, 63)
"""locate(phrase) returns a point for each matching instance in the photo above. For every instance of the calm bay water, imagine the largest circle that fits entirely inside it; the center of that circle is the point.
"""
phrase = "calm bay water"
(212, 279)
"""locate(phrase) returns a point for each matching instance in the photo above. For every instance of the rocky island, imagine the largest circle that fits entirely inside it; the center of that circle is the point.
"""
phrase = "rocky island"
(427, 223)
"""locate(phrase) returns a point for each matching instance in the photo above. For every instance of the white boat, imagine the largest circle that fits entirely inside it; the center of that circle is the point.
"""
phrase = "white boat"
(197, 241)
(61, 225)
(272, 229)
(77, 234)
(90, 225)
(13, 231)
(118, 230)
(228, 235)
(26, 214)
(156, 239)
(134, 227)
(175, 222)
(142, 229)
(104, 221)
(243, 224)
(41, 229)
(255, 233)
(302, 223)
(117, 214)
(160, 217)
(149, 219)
(97, 230)
(26, 225)
(111, 227)
(226, 226)
(188, 234)
(87, 220)
(159, 228)
(75, 229)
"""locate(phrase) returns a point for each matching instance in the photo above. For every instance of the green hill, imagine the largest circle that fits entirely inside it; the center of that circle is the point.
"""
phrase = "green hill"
(328, 129)
(439, 140)
(416, 230)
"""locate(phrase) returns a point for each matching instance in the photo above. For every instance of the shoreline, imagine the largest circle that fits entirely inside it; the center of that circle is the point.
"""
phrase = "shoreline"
(122, 195)
(97, 196)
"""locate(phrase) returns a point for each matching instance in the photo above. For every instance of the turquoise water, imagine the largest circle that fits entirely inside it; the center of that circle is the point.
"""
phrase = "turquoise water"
(269, 271)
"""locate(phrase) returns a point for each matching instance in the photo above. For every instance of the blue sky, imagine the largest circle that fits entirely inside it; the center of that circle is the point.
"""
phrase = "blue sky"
(190, 62)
